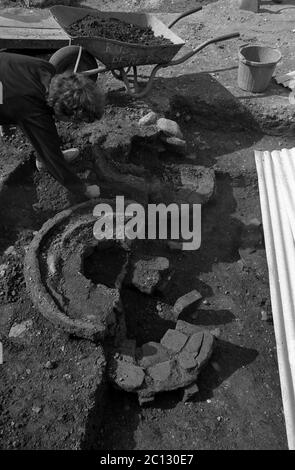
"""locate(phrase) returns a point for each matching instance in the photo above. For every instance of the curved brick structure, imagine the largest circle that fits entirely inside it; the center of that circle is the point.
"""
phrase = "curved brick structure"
(55, 280)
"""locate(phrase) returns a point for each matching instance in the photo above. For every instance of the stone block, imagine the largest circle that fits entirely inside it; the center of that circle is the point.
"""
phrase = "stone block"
(160, 372)
(169, 127)
(127, 376)
(190, 392)
(185, 301)
(174, 340)
(20, 328)
(194, 343)
(186, 360)
(206, 349)
(188, 328)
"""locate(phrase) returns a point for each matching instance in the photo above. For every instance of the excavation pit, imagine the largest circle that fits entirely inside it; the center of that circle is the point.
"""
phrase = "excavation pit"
(103, 263)
(62, 283)
(92, 288)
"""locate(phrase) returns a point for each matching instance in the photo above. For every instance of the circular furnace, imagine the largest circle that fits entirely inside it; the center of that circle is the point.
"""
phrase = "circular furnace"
(60, 279)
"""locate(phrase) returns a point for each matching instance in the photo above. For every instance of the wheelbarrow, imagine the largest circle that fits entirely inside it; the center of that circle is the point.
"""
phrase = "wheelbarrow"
(121, 57)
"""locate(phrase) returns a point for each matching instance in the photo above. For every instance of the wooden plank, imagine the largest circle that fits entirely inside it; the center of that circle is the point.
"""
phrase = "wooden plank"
(30, 29)
(22, 17)
(28, 33)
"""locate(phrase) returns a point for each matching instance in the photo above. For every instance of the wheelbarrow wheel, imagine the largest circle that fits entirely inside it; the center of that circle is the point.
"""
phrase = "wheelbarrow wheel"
(64, 60)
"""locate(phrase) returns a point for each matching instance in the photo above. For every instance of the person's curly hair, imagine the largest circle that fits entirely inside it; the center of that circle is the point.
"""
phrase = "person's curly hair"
(75, 97)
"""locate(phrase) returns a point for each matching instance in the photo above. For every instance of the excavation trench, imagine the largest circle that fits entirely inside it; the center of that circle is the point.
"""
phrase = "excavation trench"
(69, 274)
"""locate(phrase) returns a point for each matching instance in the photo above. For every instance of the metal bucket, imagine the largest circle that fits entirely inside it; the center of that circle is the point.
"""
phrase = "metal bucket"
(256, 67)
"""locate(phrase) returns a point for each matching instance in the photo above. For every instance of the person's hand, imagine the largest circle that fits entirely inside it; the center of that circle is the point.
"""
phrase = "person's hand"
(92, 191)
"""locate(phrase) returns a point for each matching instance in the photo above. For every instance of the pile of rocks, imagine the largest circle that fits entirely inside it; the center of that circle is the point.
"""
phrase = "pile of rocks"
(169, 132)
(173, 363)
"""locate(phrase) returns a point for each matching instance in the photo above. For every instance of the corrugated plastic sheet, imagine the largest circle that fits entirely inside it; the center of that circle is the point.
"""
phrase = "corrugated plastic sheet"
(276, 177)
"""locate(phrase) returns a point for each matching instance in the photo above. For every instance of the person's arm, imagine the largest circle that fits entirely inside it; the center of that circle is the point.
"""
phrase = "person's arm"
(42, 133)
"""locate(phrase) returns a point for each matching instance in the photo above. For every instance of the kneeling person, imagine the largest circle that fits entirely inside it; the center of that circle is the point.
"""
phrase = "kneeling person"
(33, 95)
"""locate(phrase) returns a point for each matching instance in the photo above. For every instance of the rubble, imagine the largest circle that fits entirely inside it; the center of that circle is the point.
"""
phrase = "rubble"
(20, 328)
(173, 363)
(148, 119)
(148, 274)
(169, 127)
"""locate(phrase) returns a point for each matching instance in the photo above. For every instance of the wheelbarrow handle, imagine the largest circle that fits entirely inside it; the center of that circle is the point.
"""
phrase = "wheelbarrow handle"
(225, 37)
(183, 15)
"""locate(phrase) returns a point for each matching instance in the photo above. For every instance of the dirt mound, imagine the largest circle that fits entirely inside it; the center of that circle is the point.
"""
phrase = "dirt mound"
(112, 28)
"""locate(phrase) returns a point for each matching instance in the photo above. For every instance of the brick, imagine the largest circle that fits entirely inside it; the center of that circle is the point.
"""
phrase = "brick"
(160, 372)
(174, 340)
(206, 349)
(128, 376)
(152, 353)
(186, 360)
(185, 301)
(194, 343)
(190, 392)
(188, 328)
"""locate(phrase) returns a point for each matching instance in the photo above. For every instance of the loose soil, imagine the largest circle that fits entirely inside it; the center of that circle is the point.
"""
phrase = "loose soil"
(112, 28)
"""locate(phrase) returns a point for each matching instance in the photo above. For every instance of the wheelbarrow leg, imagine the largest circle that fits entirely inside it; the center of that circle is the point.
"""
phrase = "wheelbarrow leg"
(118, 74)
(148, 86)
(78, 59)
(135, 80)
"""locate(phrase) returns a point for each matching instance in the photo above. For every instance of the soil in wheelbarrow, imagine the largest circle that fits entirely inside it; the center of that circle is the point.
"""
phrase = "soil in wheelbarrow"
(112, 28)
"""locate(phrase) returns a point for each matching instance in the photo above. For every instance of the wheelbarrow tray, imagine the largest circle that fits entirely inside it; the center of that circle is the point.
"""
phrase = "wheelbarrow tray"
(117, 54)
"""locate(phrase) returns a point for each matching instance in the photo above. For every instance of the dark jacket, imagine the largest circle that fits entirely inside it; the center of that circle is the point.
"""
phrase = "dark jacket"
(24, 103)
